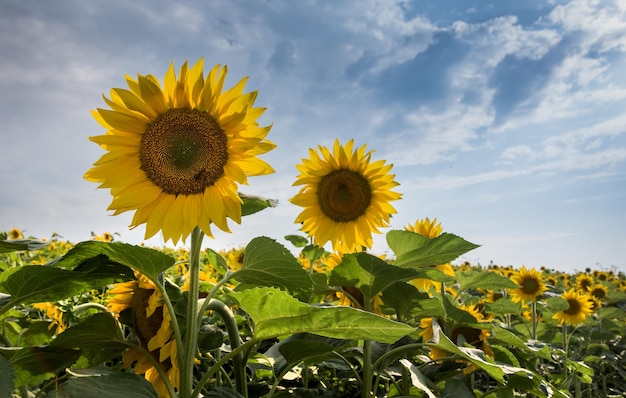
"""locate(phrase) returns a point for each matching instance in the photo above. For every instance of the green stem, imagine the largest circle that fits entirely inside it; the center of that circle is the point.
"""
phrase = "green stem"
(366, 385)
(565, 348)
(235, 341)
(217, 365)
(533, 314)
(188, 353)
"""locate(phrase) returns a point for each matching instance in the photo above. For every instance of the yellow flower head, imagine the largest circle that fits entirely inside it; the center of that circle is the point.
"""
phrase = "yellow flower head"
(14, 234)
(531, 285)
(152, 323)
(425, 227)
(176, 154)
(584, 282)
(55, 314)
(580, 306)
(345, 195)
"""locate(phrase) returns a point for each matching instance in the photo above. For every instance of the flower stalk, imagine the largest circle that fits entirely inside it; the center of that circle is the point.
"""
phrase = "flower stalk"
(188, 352)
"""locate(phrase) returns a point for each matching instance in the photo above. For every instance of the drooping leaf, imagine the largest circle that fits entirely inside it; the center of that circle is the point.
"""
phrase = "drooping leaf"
(472, 279)
(275, 313)
(268, 263)
(254, 204)
(413, 250)
(6, 378)
(114, 385)
(33, 283)
(7, 246)
(149, 261)
(418, 379)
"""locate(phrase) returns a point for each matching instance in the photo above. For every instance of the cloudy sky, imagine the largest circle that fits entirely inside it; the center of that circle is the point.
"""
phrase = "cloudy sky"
(505, 120)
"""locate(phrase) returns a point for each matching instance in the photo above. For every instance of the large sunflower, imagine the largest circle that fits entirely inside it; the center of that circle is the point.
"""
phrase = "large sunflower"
(176, 154)
(346, 197)
(152, 325)
(580, 306)
(530, 283)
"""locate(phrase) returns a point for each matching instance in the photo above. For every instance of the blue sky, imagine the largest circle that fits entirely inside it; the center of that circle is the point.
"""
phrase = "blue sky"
(505, 120)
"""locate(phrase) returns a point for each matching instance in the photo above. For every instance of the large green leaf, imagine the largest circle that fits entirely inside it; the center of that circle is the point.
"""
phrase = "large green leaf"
(36, 364)
(369, 273)
(275, 313)
(7, 246)
(268, 263)
(473, 279)
(6, 378)
(98, 338)
(149, 261)
(114, 385)
(34, 283)
(413, 250)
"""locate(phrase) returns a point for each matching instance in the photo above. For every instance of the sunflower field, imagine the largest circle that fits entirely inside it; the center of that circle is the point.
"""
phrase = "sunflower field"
(318, 316)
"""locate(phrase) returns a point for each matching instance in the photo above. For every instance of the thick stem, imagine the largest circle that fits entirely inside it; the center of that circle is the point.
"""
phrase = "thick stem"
(235, 342)
(187, 354)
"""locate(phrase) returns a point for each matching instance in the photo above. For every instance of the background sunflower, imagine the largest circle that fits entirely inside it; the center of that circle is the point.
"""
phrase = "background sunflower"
(346, 197)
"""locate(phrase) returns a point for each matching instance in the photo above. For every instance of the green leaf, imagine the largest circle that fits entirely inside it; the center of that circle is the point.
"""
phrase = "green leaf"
(403, 297)
(418, 379)
(473, 279)
(254, 204)
(369, 273)
(149, 261)
(297, 240)
(6, 378)
(275, 313)
(114, 385)
(7, 246)
(35, 364)
(296, 351)
(34, 284)
(98, 338)
(268, 263)
(503, 306)
(557, 303)
(413, 250)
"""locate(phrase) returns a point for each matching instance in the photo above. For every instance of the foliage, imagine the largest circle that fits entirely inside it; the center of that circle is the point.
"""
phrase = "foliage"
(303, 322)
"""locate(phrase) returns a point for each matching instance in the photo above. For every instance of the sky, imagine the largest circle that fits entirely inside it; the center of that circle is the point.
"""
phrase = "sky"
(505, 120)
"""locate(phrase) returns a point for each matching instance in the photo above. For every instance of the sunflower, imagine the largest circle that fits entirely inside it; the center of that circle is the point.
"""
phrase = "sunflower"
(530, 283)
(176, 154)
(580, 306)
(429, 229)
(14, 234)
(459, 334)
(55, 314)
(152, 323)
(425, 227)
(584, 282)
(346, 197)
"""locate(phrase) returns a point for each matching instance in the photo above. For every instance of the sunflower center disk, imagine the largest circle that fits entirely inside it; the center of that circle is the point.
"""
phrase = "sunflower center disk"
(530, 286)
(344, 195)
(184, 151)
(574, 307)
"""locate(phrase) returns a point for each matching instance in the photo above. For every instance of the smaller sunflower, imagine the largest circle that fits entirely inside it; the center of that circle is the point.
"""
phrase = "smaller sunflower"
(429, 229)
(152, 323)
(584, 282)
(580, 307)
(55, 314)
(530, 283)
(345, 195)
(14, 234)
(425, 227)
